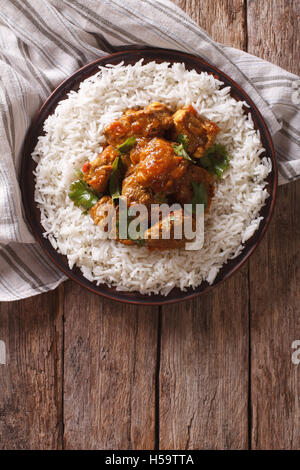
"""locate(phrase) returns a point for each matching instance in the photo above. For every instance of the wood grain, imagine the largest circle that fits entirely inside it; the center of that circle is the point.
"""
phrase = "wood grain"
(273, 31)
(31, 380)
(204, 343)
(224, 20)
(275, 324)
(109, 373)
(274, 268)
(204, 370)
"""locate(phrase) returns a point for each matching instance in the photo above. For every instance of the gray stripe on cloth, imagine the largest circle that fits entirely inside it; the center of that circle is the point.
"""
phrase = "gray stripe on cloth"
(43, 28)
(28, 272)
(9, 126)
(17, 267)
(110, 27)
(22, 34)
(274, 85)
(273, 78)
(289, 136)
(291, 128)
(7, 288)
(45, 88)
(41, 258)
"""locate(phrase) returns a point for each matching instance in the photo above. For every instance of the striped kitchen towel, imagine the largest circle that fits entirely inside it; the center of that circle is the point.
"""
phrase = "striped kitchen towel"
(42, 42)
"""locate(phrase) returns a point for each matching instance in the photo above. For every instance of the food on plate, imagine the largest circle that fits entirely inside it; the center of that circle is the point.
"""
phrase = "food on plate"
(147, 170)
(98, 171)
(153, 120)
(152, 133)
(199, 133)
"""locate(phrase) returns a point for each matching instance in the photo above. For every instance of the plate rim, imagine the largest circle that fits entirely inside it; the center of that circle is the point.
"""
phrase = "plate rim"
(120, 296)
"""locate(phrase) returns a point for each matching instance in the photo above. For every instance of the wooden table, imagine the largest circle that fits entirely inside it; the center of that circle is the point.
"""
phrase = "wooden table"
(212, 373)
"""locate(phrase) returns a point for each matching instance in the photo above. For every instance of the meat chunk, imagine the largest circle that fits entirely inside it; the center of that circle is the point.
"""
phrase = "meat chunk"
(201, 133)
(151, 121)
(104, 214)
(97, 172)
(136, 193)
(171, 226)
(159, 166)
(136, 154)
(184, 191)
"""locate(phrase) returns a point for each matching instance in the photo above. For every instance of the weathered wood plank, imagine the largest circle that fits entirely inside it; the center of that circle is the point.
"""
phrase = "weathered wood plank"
(31, 380)
(273, 31)
(275, 324)
(204, 370)
(204, 343)
(274, 273)
(109, 373)
(224, 20)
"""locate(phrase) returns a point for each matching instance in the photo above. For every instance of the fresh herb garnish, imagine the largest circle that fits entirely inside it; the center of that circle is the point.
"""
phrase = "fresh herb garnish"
(83, 195)
(127, 145)
(200, 195)
(215, 160)
(114, 180)
(181, 152)
(184, 140)
(181, 148)
(140, 240)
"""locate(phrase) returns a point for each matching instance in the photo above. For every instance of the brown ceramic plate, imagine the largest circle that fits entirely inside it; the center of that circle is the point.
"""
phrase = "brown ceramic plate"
(28, 166)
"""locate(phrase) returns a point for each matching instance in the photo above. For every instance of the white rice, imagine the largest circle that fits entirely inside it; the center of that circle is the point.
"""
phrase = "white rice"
(73, 134)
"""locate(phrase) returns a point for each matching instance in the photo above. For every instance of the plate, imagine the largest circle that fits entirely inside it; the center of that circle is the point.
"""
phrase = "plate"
(28, 166)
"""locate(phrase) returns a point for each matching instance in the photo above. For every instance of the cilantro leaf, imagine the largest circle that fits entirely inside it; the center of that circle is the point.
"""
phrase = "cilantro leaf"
(83, 195)
(114, 179)
(184, 140)
(200, 195)
(215, 160)
(181, 152)
(127, 145)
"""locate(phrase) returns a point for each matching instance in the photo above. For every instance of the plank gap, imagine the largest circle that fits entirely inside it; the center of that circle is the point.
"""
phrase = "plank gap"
(274, 274)
(248, 281)
(30, 382)
(157, 374)
(61, 293)
(246, 24)
(249, 365)
(110, 361)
